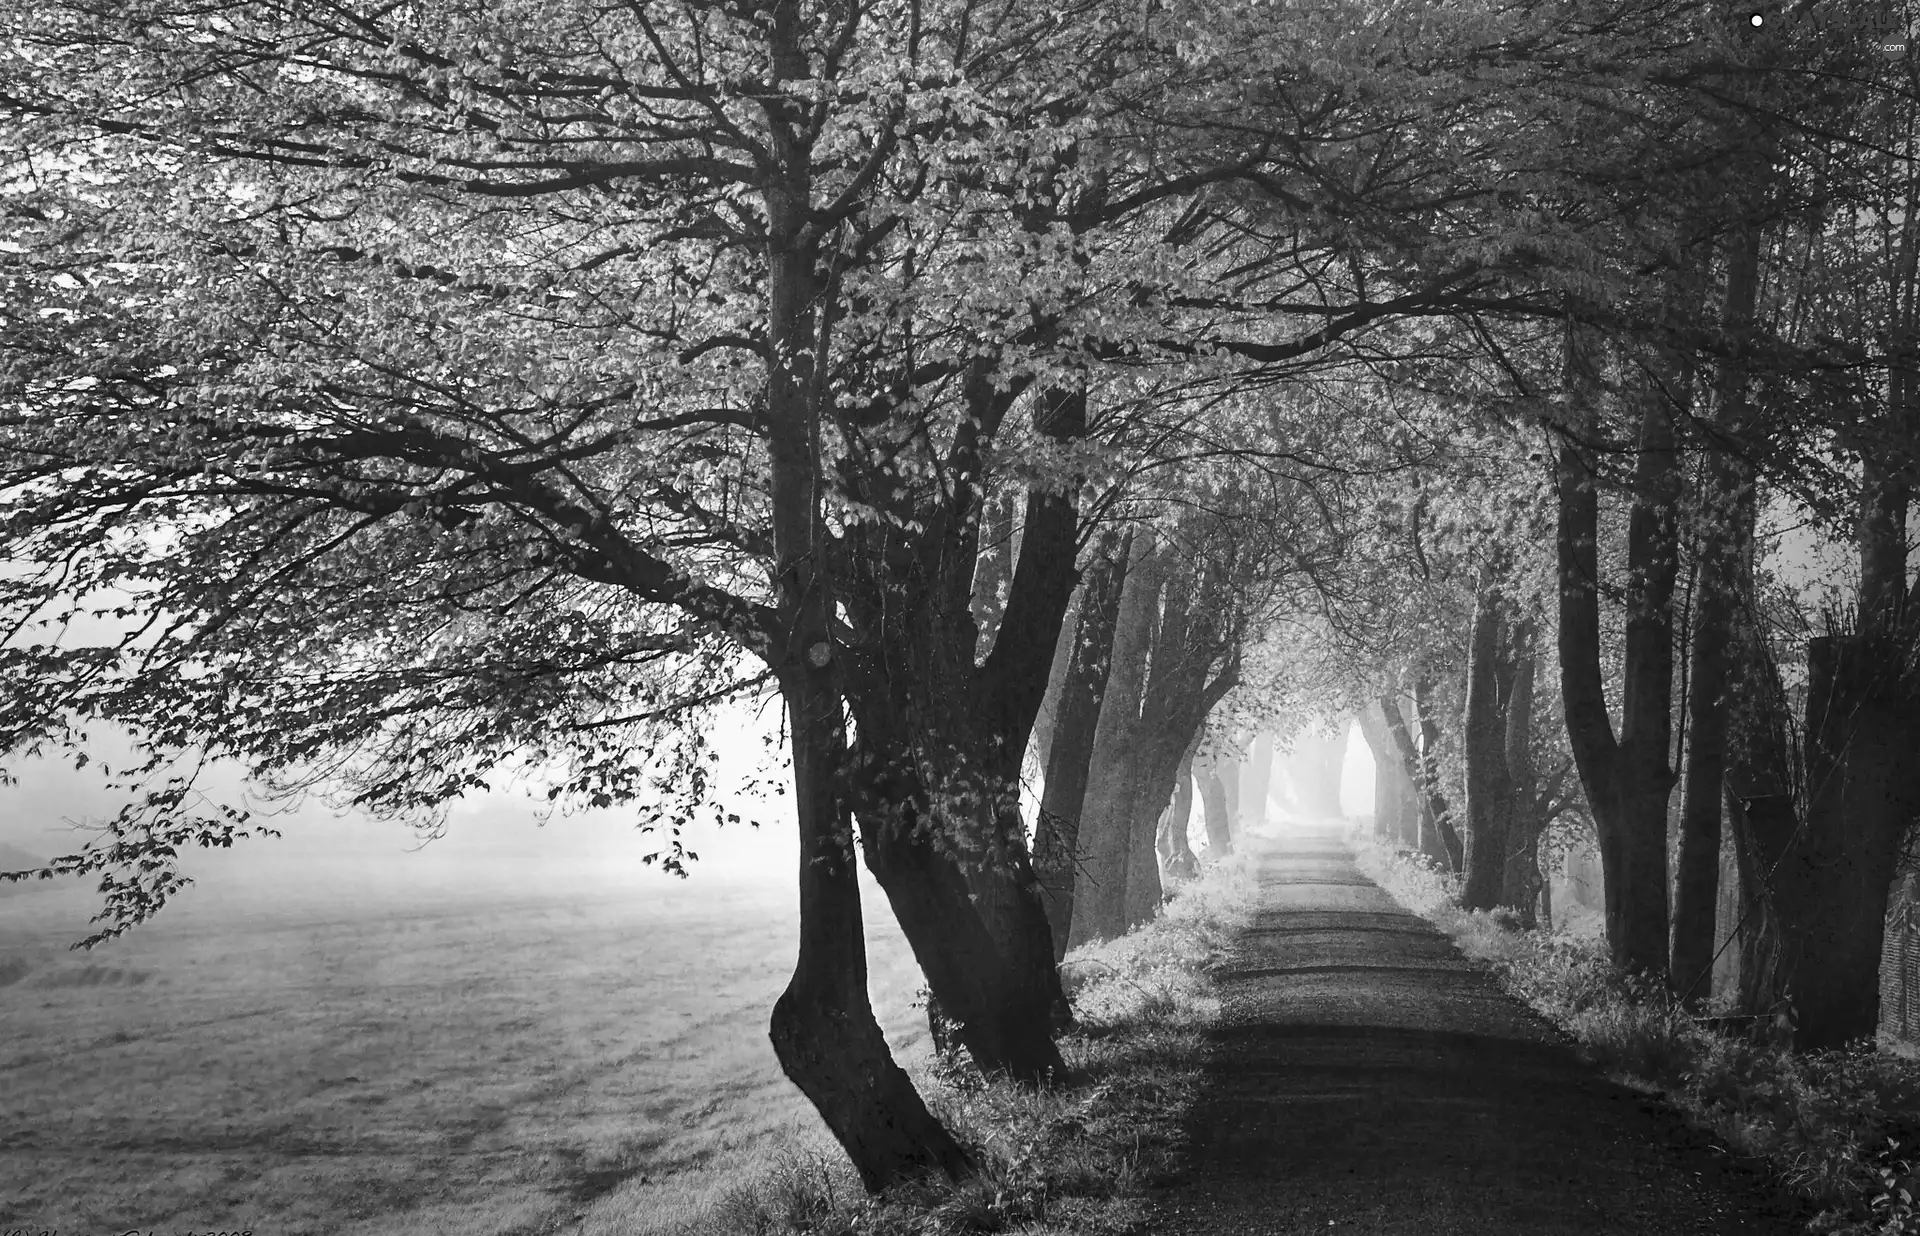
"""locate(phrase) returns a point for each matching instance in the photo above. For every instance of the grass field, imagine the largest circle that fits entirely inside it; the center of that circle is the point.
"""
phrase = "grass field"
(469, 1063)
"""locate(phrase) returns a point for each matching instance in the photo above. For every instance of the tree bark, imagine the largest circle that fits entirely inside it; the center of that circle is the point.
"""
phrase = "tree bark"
(1154, 749)
(1521, 882)
(1727, 517)
(1393, 793)
(1189, 644)
(1432, 801)
(1442, 842)
(1627, 779)
(1057, 838)
(1043, 725)
(1176, 854)
(993, 570)
(940, 746)
(1490, 788)
(1759, 813)
(1100, 883)
(1831, 888)
(823, 1028)
(1213, 801)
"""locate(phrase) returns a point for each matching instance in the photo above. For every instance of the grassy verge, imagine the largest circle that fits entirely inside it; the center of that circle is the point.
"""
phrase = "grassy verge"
(1072, 1160)
(1840, 1128)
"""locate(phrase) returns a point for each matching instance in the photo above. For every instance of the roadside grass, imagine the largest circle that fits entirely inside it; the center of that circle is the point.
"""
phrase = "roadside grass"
(1839, 1128)
(1075, 1159)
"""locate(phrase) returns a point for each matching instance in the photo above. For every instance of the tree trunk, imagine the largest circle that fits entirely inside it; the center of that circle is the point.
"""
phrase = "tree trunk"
(1003, 1009)
(1041, 745)
(1213, 801)
(1432, 802)
(1490, 788)
(993, 570)
(936, 783)
(1190, 642)
(823, 1029)
(1728, 506)
(1100, 885)
(1256, 778)
(1176, 854)
(1521, 881)
(1863, 794)
(1759, 813)
(1442, 841)
(1057, 838)
(1627, 779)
(1393, 793)
(1155, 747)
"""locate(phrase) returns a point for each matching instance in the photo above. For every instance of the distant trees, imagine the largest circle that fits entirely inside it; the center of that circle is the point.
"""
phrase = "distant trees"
(440, 387)
(420, 389)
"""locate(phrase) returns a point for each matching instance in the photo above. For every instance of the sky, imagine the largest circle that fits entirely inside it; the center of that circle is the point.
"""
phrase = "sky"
(492, 841)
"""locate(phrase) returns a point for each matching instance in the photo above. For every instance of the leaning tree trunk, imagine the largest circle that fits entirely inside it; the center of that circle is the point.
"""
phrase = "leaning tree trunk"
(1627, 778)
(1100, 883)
(1190, 641)
(941, 741)
(1154, 750)
(993, 570)
(1421, 773)
(823, 1029)
(1393, 794)
(1056, 840)
(1041, 744)
(1213, 802)
(1442, 842)
(1490, 788)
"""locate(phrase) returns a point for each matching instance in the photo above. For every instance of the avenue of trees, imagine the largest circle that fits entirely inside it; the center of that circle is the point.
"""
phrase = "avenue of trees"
(390, 393)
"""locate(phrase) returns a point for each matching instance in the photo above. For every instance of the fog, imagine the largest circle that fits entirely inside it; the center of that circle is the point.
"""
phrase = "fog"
(494, 843)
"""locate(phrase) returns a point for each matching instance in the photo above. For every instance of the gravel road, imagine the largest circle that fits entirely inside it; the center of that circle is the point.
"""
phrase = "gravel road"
(1366, 1077)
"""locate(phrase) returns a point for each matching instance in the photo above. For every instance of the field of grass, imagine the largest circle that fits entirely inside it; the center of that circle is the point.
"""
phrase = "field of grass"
(476, 1064)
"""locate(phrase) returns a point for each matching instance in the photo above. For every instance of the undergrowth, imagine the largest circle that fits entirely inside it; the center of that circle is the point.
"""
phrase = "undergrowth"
(1072, 1159)
(1839, 1128)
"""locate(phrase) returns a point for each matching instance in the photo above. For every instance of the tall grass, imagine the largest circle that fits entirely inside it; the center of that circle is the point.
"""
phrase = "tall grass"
(1840, 1128)
(1072, 1159)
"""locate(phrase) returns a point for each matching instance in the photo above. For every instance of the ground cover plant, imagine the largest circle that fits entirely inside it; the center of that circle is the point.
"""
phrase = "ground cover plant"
(1072, 1159)
(1839, 1127)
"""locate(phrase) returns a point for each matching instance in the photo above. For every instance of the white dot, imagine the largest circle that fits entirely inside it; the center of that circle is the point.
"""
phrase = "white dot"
(1757, 21)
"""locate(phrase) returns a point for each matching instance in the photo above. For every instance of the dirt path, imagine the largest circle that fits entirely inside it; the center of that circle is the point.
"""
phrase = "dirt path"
(1366, 1077)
